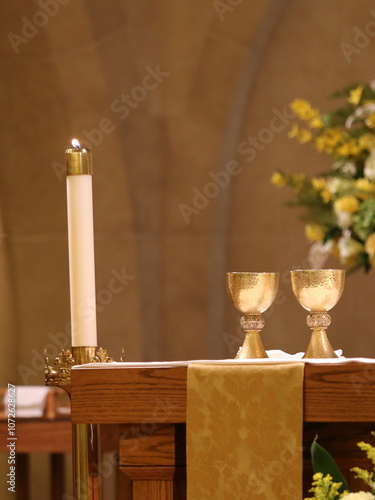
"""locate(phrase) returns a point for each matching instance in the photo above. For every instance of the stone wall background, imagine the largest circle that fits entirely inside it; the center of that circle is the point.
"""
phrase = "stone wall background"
(224, 69)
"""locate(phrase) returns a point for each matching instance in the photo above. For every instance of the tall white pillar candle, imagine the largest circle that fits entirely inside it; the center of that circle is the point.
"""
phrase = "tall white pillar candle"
(81, 245)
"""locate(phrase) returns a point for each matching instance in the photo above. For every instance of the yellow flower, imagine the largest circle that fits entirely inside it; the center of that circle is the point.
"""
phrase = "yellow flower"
(319, 183)
(303, 110)
(367, 141)
(349, 148)
(355, 95)
(316, 122)
(328, 140)
(304, 136)
(366, 187)
(326, 195)
(294, 131)
(278, 180)
(315, 232)
(370, 121)
(370, 245)
(346, 204)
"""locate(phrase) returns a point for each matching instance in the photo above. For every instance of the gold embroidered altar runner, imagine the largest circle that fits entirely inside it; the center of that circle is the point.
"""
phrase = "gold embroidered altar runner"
(244, 432)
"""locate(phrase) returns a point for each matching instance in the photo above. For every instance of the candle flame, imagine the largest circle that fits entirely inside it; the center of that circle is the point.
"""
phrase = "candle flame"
(76, 144)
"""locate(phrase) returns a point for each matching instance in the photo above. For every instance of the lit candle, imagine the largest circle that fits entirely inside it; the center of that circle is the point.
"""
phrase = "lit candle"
(81, 245)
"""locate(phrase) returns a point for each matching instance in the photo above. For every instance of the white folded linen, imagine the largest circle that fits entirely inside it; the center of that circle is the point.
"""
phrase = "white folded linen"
(30, 401)
(275, 356)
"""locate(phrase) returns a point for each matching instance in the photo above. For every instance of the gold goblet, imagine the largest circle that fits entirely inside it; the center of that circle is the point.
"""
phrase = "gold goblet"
(252, 294)
(318, 290)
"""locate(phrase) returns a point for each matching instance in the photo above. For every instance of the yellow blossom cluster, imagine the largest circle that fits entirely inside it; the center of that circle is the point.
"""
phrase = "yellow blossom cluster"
(315, 232)
(304, 111)
(365, 187)
(367, 141)
(370, 121)
(303, 135)
(278, 180)
(346, 204)
(349, 148)
(324, 488)
(355, 95)
(340, 203)
(328, 140)
(320, 185)
(370, 245)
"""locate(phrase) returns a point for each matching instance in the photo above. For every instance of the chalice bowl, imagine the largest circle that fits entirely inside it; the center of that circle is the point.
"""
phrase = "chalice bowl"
(252, 294)
(318, 290)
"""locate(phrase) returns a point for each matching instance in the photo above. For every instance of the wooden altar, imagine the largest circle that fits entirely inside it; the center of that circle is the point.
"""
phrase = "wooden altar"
(149, 404)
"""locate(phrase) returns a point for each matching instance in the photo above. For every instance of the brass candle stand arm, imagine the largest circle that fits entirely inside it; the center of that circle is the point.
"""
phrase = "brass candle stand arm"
(86, 437)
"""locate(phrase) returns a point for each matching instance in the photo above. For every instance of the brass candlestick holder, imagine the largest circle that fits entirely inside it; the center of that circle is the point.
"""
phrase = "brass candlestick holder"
(252, 294)
(318, 291)
(86, 437)
(59, 374)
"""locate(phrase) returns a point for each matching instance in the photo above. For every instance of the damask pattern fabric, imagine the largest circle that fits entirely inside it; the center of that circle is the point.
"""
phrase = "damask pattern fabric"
(244, 432)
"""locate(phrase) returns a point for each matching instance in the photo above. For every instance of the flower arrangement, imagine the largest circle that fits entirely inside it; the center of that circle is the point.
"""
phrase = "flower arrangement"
(328, 482)
(339, 203)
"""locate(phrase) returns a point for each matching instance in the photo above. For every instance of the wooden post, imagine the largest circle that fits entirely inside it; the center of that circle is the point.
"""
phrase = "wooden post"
(57, 476)
(23, 471)
(150, 456)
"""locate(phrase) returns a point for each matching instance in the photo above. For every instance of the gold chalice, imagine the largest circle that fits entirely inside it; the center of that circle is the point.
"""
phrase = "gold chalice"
(318, 290)
(252, 294)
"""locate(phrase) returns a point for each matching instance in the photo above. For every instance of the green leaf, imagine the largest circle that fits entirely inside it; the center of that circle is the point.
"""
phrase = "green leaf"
(323, 462)
(337, 117)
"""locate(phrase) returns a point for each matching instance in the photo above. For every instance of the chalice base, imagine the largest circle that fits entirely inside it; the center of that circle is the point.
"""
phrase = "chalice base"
(252, 347)
(319, 346)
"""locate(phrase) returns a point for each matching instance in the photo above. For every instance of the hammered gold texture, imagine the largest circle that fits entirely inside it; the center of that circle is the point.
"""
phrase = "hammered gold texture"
(252, 293)
(244, 432)
(319, 346)
(318, 289)
(252, 347)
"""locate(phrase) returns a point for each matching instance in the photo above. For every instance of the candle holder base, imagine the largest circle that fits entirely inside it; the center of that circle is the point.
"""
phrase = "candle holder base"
(60, 372)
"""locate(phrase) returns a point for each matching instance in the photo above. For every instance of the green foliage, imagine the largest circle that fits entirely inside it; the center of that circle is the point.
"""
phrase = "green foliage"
(364, 220)
(324, 463)
(328, 482)
(367, 93)
(337, 117)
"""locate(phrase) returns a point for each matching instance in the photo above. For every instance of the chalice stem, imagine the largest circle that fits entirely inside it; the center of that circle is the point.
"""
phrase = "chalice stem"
(319, 346)
(252, 346)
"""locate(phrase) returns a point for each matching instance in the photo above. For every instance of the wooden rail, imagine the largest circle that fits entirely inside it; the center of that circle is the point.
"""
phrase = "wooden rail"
(150, 405)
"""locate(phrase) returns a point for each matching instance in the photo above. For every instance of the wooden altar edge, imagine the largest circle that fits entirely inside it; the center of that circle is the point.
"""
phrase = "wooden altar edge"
(332, 393)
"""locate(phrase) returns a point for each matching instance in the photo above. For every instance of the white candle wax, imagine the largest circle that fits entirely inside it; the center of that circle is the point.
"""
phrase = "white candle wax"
(81, 252)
